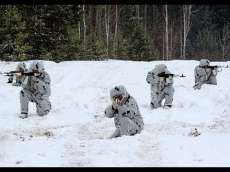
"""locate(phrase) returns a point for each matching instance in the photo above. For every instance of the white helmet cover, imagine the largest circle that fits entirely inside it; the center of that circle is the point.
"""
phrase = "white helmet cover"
(21, 66)
(204, 62)
(37, 65)
(118, 90)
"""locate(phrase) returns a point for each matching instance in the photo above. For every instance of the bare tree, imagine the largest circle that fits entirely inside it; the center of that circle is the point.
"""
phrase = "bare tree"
(166, 31)
(145, 16)
(181, 37)
(163, 46)
(187, 11)
(84, 28)
(171, 39)
(116, 30)
(79, 23)
(223, 40)
(107, 28)
(138, 13)
(93, 21)
(99, 21)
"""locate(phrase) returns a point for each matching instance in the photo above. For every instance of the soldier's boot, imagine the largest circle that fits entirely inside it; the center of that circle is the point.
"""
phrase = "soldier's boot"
(23, 115)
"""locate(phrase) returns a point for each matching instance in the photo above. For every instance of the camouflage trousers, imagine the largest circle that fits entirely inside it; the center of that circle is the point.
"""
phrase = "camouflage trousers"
(125, 126)
(43, 105)
(212, 81)
(158, 96)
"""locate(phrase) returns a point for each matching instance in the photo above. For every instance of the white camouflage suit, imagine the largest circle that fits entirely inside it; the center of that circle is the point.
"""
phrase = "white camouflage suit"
(161, 88)
(36, 89)
(127, 117)
(204, 75)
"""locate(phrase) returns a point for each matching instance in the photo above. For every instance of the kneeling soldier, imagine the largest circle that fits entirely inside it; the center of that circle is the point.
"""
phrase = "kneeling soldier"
(36, 89)
(204, 74)
(161, 86)
(125, 111)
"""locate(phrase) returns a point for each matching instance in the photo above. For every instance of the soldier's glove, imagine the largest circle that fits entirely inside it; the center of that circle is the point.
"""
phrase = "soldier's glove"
(36, 74)
(115, 104)
(161, 79)
(18, 74)
(214, 72)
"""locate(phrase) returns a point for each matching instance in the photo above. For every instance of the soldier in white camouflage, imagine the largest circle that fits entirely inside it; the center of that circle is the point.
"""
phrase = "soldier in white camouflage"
(125, 111)
(21, 67)
(161, 87)
(204, 74)
(36, 89)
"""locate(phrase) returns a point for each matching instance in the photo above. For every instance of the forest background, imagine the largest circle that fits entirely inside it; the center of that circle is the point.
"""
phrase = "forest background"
(126, 32)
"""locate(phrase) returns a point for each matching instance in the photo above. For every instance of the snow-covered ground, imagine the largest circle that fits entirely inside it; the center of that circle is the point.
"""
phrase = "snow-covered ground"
(75, 132)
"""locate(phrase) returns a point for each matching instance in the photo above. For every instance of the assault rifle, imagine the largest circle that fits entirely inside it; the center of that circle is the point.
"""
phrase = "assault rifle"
(12, 73)
(166, 75)
(217, 67)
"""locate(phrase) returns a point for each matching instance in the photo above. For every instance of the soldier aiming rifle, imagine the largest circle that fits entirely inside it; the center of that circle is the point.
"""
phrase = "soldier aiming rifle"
(206, 74)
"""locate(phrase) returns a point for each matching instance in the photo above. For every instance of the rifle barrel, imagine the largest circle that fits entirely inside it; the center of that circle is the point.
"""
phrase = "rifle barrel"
(167, 75)
(219, 66)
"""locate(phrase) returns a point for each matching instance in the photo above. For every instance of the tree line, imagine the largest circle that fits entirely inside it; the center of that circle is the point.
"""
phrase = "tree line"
(127, 32)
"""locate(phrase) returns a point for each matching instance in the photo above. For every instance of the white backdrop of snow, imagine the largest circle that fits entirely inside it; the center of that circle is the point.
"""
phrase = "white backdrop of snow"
(79, 129)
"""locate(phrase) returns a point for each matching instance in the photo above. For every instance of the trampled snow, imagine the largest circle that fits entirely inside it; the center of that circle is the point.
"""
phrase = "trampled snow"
(75, 133)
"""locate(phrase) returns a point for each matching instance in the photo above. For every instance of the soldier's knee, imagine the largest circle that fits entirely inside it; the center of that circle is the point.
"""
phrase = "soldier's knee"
(124, 121)
(169, 96)
(153, 105)
(156, 103)
(214, 82)
(134, 132)
(43, 107)
(44, 113)
(128, 127)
